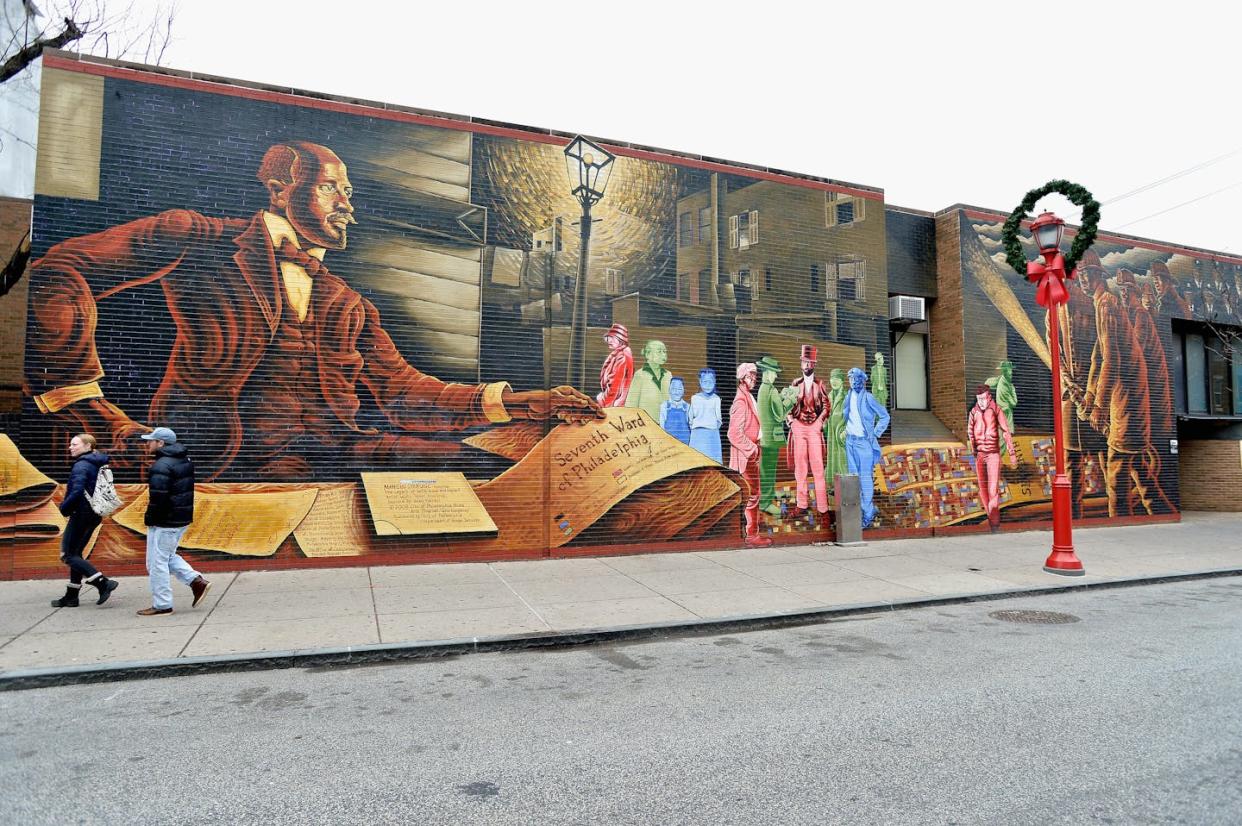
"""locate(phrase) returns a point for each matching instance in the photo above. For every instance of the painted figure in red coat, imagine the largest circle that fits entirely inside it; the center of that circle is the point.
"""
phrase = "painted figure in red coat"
(273, 353)
(618, 370)
(744, 446)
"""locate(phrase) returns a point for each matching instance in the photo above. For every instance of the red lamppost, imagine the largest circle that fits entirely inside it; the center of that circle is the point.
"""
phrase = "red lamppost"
(1051, 293)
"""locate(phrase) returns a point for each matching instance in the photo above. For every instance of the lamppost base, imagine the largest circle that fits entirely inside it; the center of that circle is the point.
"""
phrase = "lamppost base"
(1064, 562)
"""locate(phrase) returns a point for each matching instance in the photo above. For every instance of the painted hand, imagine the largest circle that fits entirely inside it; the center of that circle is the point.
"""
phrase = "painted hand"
(564, 403)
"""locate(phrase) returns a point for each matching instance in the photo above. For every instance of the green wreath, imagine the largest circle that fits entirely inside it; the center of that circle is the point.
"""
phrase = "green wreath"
(1079, 196)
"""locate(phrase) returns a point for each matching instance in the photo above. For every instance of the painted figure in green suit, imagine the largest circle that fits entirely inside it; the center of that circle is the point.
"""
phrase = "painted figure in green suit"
(834, 427)
(879, 380)
(772, 412)
(1006, 396)
(649, 389)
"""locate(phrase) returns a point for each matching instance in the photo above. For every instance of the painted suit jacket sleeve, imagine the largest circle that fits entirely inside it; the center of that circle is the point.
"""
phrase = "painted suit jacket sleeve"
(410, 399)
(1002, 422)
(880, 412)
(67, 282)
(739, 416)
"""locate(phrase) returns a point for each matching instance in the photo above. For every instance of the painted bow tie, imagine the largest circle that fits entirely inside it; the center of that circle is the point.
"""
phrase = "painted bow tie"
(1050, 278)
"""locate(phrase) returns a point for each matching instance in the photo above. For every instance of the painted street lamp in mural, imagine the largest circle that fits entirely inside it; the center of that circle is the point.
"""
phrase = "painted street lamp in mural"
(589, 167)
(1050, 292)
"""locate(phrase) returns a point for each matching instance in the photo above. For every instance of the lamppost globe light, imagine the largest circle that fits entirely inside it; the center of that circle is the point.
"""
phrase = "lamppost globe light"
(1047, 230)
(589, 166)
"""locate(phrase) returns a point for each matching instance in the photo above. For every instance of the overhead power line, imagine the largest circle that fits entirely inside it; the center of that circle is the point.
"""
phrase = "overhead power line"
(1179, 206)
(1166, 179)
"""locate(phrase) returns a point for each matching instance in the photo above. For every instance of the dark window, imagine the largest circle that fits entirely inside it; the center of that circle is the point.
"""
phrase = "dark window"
(1196, 374)
(847, 289)
(705, 224)
(814, 279)
(685, 230)
(845, 212)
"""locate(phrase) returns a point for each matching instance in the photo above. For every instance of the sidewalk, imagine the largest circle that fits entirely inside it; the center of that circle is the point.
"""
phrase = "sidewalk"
(263, 616)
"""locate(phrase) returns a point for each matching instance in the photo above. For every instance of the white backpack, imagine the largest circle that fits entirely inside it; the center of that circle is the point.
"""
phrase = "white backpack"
(105, 500)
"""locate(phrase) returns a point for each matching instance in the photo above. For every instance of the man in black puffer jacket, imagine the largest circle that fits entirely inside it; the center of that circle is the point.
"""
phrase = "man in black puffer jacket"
(82, 522)
(169, 512)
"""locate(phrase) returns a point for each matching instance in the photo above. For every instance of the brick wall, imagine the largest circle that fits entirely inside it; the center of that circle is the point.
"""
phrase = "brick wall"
(947, 344)
(1210, 471)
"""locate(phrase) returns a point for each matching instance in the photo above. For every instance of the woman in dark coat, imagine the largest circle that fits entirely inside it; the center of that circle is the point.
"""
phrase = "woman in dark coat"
(82, 522)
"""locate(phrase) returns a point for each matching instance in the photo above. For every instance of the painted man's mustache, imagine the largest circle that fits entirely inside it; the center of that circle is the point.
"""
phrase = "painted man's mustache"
(342, 218)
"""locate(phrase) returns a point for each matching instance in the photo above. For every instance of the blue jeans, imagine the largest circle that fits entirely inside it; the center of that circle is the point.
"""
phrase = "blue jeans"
(162, 559)
(860, 459)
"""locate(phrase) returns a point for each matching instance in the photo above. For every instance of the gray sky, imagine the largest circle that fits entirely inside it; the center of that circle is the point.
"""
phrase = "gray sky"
(937, 103)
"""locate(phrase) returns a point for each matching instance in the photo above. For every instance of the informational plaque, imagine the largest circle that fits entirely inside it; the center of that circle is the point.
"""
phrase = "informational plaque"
(417, 504)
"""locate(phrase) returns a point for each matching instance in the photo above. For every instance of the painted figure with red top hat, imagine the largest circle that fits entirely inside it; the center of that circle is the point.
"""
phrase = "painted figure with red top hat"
(618, 370)
(806, 434)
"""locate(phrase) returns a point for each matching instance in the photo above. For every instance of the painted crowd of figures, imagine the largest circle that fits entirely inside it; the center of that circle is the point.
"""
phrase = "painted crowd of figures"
(826, 431)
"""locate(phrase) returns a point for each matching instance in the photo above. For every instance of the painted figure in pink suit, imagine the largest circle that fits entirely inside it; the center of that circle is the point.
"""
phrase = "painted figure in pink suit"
(744, 446)
(986, 427)
(806, 434)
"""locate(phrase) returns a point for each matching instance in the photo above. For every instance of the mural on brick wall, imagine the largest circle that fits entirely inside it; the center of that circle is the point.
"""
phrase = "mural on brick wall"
(351, 320)
(1119, 341)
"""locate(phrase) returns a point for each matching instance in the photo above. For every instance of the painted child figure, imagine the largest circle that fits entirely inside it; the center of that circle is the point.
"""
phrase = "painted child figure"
(618, 369)
(705, 419)
(675, 411)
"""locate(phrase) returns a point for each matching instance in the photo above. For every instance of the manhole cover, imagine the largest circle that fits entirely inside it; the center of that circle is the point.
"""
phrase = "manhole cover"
(1034, 617)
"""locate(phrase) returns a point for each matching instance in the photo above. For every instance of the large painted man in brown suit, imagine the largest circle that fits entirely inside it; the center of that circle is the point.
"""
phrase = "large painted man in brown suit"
(1117, 400)
(1077, 328)
(271, 350)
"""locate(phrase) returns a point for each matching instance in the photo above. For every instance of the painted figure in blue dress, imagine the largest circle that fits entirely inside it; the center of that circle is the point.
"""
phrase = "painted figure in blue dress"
(705, 416)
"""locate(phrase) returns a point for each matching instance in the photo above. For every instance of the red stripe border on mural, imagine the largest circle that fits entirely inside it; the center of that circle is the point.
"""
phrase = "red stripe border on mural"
(292, 98)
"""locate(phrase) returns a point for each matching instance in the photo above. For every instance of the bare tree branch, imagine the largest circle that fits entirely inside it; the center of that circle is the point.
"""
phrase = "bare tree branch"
(31, 51)
(16, 265)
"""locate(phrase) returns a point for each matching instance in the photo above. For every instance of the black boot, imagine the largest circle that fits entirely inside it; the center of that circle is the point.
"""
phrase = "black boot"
(106, 587)
(70, 599)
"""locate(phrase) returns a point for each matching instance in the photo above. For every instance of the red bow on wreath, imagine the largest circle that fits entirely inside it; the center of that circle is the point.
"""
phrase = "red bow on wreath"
(1051, 278)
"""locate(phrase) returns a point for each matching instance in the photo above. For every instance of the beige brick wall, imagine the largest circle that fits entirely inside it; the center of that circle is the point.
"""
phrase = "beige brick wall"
(947, 341)
(1211, 475)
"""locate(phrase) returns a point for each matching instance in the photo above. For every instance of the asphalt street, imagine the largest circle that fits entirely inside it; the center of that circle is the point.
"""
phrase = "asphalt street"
(1129, 711)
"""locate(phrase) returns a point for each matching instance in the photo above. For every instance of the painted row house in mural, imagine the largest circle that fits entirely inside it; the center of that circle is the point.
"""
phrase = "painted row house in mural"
(361, 320)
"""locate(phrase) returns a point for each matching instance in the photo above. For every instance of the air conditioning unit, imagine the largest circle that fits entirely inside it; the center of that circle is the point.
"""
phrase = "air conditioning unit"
(908, 308)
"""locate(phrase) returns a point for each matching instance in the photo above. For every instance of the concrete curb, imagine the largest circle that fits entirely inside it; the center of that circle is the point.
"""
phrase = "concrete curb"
(24, 679)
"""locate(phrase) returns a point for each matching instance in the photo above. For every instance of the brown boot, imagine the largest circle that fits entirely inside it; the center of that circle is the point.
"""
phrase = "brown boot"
(200, 587)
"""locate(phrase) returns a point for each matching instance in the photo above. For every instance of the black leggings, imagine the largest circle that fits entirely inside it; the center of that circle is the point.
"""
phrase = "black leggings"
(77, 534)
